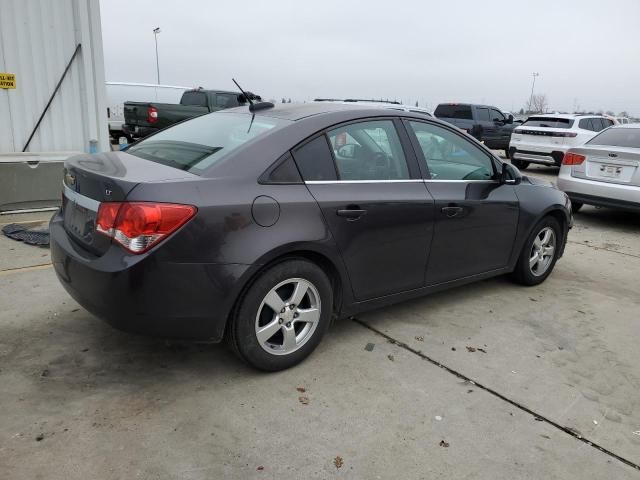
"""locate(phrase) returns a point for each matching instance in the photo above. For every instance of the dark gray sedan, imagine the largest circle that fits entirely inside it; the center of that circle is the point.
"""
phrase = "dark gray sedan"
(263, 225)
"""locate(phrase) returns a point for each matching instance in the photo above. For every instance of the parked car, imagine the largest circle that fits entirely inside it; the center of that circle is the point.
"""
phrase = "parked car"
(486, 123)
(119, 92)
(544, 139)
(605, 171)
(145, 118)
(262, 225)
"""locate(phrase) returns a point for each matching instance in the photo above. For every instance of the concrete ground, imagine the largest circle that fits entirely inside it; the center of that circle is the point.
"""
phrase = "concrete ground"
(490, 380)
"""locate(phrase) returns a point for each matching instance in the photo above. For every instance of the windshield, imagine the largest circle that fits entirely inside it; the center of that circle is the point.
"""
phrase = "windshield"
(548, 122)
(618, 137)
(197, 144)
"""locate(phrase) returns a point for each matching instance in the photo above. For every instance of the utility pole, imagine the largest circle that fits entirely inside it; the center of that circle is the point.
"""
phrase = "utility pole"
(156, 31)
(535, 74)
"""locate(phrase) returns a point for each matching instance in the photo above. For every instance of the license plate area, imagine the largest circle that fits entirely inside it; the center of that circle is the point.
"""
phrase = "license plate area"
(611, 171)
(79, 221)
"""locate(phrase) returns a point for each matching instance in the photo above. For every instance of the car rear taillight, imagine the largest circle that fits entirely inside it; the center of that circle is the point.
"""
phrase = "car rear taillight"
(573, 159)
(138, 226)
(565, 134)
(152, 114)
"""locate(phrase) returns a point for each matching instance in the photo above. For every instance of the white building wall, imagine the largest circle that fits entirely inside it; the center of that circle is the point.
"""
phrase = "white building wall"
(37, 40)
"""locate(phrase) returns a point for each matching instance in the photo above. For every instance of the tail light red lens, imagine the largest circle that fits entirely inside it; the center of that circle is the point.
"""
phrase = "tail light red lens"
(152, 114)
(138, 226)
(573, 159)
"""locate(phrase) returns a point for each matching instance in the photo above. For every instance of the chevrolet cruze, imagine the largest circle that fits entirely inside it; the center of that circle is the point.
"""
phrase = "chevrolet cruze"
(262, 224)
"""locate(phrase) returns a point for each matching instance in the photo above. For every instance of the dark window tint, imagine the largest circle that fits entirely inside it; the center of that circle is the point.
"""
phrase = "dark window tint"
(608, 122)
(483, 114)
(618, 137)
(586, 124)
(453, 111)
(199, 143)
(497, 115)
(226, 100)
(285, 172)
(451, 157)
(315, 161)
(548, 122)
(194, 98)
(368, 151)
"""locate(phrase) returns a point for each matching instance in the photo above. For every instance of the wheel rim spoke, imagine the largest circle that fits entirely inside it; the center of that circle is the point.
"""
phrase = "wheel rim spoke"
(289, 342)
(274, 301)
(268, 331)
(299, 291)
(533, 260)
(546, 238)
(308, 315)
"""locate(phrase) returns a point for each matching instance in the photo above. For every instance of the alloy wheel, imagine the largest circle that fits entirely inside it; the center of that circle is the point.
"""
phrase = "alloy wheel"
(542, 251)
(288, 316)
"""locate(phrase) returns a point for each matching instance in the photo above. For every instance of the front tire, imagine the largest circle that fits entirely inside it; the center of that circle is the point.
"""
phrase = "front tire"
(520, 164)
(539, 254)
(283, 315)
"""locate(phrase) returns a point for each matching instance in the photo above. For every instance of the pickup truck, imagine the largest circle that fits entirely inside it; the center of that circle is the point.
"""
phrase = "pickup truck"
(144, 118)
(486, 123)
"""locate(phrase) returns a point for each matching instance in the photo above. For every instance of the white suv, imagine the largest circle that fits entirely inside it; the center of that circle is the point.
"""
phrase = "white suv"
(545, 138)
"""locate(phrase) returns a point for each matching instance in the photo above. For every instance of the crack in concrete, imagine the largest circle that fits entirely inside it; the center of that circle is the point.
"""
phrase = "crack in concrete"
(40, 266)
(462, 376)
(603, 248)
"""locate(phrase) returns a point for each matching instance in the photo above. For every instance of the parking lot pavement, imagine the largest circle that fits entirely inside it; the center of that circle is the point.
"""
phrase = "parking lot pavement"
(81, 400)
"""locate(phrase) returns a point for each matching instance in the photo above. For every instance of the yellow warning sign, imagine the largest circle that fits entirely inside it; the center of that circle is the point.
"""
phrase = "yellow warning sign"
(7, 80)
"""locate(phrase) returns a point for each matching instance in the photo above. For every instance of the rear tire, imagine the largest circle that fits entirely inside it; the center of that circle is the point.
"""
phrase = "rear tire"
(539, 254)
(282, 316)
(576, 206)
(520, 164)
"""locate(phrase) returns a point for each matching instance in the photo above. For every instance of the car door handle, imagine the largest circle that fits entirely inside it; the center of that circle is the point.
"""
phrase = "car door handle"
(352, 212)
(451, 212)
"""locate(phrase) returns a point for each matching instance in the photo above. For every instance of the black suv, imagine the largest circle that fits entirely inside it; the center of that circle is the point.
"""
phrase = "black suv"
(486, 123)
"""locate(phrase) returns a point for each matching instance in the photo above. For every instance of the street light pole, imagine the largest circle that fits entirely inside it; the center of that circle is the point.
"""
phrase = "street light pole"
(156, 31)
(535, 74)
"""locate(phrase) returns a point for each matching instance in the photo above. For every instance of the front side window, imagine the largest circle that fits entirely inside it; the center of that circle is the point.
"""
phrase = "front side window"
(497, 116)
(199, 143)
(368, 151)
(483, 114)
(449, 156)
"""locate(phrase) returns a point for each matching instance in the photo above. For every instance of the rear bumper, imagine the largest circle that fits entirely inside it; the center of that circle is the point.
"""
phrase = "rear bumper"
(137, 131)
(537, 153)
(603, 194)
(143, 294)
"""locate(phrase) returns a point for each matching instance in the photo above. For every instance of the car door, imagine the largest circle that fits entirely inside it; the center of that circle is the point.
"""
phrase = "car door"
(487, 130)
(502, 128)
(375, 204)
(476, 215)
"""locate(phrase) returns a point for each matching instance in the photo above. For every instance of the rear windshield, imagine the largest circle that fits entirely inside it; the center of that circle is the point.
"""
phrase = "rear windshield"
(548, 122)
(453, 111)
(197, 144)
(618, 137)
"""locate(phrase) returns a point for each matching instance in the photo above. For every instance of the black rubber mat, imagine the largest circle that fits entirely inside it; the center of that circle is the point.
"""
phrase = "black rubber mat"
(32, 236)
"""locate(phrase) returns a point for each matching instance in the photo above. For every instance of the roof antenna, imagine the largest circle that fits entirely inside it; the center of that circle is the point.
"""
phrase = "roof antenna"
(253, 106)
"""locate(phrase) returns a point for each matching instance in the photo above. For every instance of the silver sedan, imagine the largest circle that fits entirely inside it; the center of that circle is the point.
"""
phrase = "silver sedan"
(605, 171)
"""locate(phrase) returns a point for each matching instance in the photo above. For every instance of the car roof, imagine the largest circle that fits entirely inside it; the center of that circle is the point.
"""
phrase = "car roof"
(566, 115)
(298, 111)
(379, 104)
(468, 105)
(627, 125)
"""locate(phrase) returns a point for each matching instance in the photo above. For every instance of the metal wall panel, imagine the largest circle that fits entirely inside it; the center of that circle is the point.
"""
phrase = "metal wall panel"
(37, 40)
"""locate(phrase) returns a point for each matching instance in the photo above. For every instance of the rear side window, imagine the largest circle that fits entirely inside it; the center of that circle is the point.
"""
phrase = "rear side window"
(314, 160)
(483, 114)
(226, 100)
(368, 151)
(194, 98)
(618, 137)
(462, 112)
(199, 143)
(586, 124)
(548, 122)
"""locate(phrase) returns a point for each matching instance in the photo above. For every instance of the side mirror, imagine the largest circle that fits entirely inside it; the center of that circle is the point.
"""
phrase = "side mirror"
(510, 119)
(347, 151)
(510, 175)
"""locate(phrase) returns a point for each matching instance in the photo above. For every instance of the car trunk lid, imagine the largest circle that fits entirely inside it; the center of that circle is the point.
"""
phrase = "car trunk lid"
(609, 164)
(90, 180)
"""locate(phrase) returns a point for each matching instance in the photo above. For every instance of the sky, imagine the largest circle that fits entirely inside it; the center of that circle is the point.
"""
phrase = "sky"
(587, 52)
